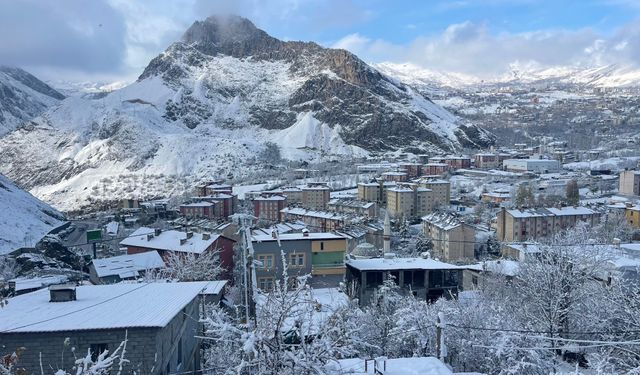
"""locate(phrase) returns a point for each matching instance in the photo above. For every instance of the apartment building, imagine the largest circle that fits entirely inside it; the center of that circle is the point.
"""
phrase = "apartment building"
(629, 183)
(268, 207)
(453, 240)
(409, 200)
(530, 224)
(315, 196)
(441, 189)
(374, 191)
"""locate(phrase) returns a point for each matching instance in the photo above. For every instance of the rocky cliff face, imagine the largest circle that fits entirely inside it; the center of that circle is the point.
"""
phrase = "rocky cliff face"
(209, 104)
(371, 110)
(22, 97)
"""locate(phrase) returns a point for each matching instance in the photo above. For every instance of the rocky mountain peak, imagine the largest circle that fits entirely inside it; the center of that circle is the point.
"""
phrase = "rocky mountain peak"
(229, 35)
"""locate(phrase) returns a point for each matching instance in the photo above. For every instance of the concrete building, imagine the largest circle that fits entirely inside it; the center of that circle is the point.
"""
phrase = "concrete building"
(435, 169)
(490, 160)
(629, 183)
(395, 176)
(530, 224)
(293, 194)
(441, 190)
(315, 196)
(452, 161)
(323, 221)
(531, 165)
(426, 279)
(199, 210)
(159, 320)
(374, 191)
(320, 255)
(268, 207)
(409, 200)
(355, 207)
(453, 240)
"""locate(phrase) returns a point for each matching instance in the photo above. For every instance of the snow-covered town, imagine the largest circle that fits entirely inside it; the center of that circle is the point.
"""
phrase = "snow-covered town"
(231, 201)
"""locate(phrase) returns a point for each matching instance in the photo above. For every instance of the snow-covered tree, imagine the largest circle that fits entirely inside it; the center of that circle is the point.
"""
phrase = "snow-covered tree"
(192, 267)
(572, 193)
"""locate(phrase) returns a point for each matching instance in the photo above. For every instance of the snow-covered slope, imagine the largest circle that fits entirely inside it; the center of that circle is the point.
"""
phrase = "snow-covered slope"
(22, 97)
(603, 76)
(24, 220)
(208, 106)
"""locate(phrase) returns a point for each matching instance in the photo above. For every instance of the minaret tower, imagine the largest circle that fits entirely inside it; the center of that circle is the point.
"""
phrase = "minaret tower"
(386, 235)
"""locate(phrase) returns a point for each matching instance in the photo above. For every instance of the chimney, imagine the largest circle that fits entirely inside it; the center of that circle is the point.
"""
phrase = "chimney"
(189, 235)
(206, 236)
(616, 242)
(274, 235)
(183, 241)
(149, 237)
(62, 293)
(305, 232)
(157, 231)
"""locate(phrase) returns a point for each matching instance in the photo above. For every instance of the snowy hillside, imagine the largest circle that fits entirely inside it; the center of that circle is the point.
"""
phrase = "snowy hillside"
(24, 219)
(604, 76)
(208, 106)
(22, 97)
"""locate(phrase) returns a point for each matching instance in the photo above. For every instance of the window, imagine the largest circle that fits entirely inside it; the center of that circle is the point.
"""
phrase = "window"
(395, 276)
(321, 245)
(96, 350)
(296, 260)
(265, 283)
(373, 279)
(266, 260)
(474, 280)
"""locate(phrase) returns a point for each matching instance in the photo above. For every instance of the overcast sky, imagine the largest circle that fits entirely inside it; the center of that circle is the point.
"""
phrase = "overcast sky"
(109, 40)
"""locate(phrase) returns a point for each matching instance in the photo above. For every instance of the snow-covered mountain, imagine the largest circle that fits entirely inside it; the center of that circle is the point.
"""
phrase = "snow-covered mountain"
(608, 76)
(209, 104)
(24, 219)
(22, 97)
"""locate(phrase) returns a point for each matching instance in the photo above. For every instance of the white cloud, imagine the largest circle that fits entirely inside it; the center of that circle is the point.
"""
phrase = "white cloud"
(471, 48)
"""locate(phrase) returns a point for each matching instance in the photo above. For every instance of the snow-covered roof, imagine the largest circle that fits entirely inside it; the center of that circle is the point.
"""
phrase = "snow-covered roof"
(350, 203)
(169, 240)
(444, 220)
(312, 213)
(198, 204)
(571, 211)
(502, 267)
(271, 198)
(128, 265)
(26, 283)
(297, 237)
(541, 212)
(525, 247)
(382, 264)
(214, 287)
(100, 307)
(395, 366)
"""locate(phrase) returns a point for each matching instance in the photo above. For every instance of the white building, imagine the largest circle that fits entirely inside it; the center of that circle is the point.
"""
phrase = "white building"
(532, 165)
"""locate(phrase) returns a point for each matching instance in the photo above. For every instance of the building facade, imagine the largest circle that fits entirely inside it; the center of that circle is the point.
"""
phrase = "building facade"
(426, 279)
(320, 255)
(453, 240)
(530, 224)
(629, 183)
(315, 196)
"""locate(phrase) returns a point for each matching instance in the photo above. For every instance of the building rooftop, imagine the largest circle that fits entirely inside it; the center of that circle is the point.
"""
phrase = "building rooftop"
(100, 307)
(382, 264)
(125, 266)
(169, 240)
(296, 236)
(312, 213)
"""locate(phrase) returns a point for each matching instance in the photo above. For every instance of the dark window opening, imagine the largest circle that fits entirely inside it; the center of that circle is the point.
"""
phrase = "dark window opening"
(96, 350)
(374, 279)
